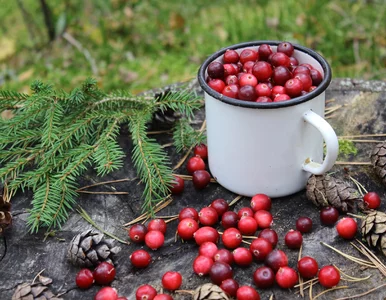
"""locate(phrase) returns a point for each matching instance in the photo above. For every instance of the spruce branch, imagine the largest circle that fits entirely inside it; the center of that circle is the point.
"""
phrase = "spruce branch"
(185, 136)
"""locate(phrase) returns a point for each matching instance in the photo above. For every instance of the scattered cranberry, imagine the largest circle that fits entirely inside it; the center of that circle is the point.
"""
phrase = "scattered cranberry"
(137, 233)
(145, 292)
(106, 293)
(216, 70)
(140, 258)
(261, 202)
(372, 200)
(219, 272)
(264, 218)
(84, 279)
(276, 259)
(286, 277)
(248, 55)
(329, 276)
(177, 186)
(242, 257)
(231, 238)
(201, 179)
(201, 150)
(224, 256)
(220, 205)
(264, 277)
(304, 224)
(247, 225)
(206, 234)
(202, 265)
(157, 224)
(260, 248)
(231, 56)
(208, 249)
(229, 219)
(163, 297)
(195, 163)
(154, 239)
(246, 292)
(188, 212)
(293, 239)
(308, 267)
(270, 235)
(347, 228)
(171, 280)
(104, 273)
(186, 228)
(329, 215)
(245, 212)
(230, 287)
(208, 216)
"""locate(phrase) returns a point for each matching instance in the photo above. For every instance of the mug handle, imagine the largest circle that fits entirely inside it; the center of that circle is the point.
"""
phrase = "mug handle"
(330, 139)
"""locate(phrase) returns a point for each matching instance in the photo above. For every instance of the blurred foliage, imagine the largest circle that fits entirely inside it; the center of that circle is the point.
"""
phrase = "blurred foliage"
(138, 45)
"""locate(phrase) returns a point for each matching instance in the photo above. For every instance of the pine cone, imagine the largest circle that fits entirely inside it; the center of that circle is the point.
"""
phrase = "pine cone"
(35, 291)
(378, 160)
(5, 214)
(209, 291)
(164, 119)
(325, 190)
(89, 248)
(374, 230)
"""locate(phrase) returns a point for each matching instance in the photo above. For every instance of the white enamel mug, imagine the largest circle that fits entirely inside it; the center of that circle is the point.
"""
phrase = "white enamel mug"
(269, 148)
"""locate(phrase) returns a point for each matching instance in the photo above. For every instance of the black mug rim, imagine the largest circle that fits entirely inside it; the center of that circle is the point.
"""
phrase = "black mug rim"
(249, 104)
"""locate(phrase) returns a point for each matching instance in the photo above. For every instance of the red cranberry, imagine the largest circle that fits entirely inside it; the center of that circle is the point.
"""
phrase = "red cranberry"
(195, 163)
(186, 228)
(281, 97)
(329, 215)
(263, 99)
(84, 279)
(263, 90)
(229, 219)
(264, 51)
(202, 265)
(277, 90)
(248, 55)
(231, 79)
(260, 248)
(220, 205)
(247, 93)
(140, 258)
(224, 256)
(303, 70)
(217, 84)
(260, 202)
(329, 276)
(286, 277)
(247, 293)
(280, 75)
(154, 239)
(270, 235)
(347, 228)
(231, 56)
(216, 70)
(305, 79)
(157, 224)
(208, 249)
(201, 150)
(276, 259)
(293, 87)
(248, 79)
(206, 234)
(106, 293)
(262, 70)
(208, 216)
(231, 238)
(304, 224)
(201, 179)
(145, 292)
(231, 91)
(242, 257)
(247, 225)
(372, 200)
(137, 233)
(219, 272)
(316, 77)
(177, 186)
(264, 277)
(245, 212)
(309, 66)
(230, 69)
(293, 239)
(171, 280)
(286, 47)
(293, 63)
(162, 297)
(188, 212)
(230, 287)
(104, 273)
(247, 68)
(280, 59)
(308, 267)
(264, 218)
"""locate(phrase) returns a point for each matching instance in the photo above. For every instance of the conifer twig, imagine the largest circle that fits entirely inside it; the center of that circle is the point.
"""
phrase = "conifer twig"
(363, 294)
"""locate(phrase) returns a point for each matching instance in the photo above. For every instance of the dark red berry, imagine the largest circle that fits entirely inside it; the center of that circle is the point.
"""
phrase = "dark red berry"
(286, 277)
(329, 215)
(163, 297)
(231, 56)
(305, 79)
(84, 279)
(145, 292)
(372, 200)
(260, 202)
(293, 239)
(231, 91)
(280, 59)
(308, 267)
(248, 55)
(293, 87)
(277, 90)
(208, 249)
(286, 47)
(195, 163)
(302, 69)
(202, 265)
(224, 256)
(220, 205)
(276, 259)
(347, 228)
(230, 287)
(106, 293)
(206, 234)
(260, 248)
(186, 228)
(264, 218)
(217, 84)
(280, 75)
(247, 93)
(230, 69)
(177, 186)
(219, 272)
(157, 224)
(263, 90)
(262, 71)
(309, 66)
(281, 97)
(293, 63)
(245, 212)
(247, 226)
(231, 80)
(216, 70)
(104, 273)
(316, 77)
(171, 280)
(304, 224)
(229, 219)
(140, 258)
(154, 239)
(329, 276)
(247, 68)
(208, 216)
(201, 150)
(264, 51)
(201, 179)
(242, 257)
(247, 293)
(263, 99)
(188, 212)
(231, 238)
(264, 277)
(137, 233)
(270, 235)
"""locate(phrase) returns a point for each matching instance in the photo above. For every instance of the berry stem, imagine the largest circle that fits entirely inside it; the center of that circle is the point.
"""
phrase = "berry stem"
(351, 278)
(330, 290)
(300, 277)
(234, 201)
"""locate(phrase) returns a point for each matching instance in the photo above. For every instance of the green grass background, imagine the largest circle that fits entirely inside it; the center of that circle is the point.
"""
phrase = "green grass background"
(139, 45)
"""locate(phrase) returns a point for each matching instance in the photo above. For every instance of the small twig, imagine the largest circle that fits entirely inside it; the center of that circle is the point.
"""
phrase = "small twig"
(350, 278)
(354, 163)
(37, 275)
(103, 193)
(363, 135)
(271, 298)
(190, 177)
(166, 145)
(104, 182)
(171, 219)
(362, 294)
(331, 109)
(371, 256)
(158, 132)
(234, 201)
(300, 277)
(360, 187)
(361, 141)
(310, 291)
(330, 290)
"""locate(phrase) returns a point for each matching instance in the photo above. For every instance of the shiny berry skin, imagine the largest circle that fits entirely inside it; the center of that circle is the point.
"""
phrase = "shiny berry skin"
(329, 276)
(106, 293)
(247, 68)
(248, 79)
(208, 216)
(307, 65)
(171, 280)
(231, 238)
(188, 212)
(220, 205)
(217, 84)
(305, 79)
(208, 249)
(231, 56)
(262, 70)
(302, 69)
(246, 292)
(293, 87)
(293, 63)
(248, 55)
(231, 80)
(216, 70)
(206, 234)
(247, 93)
(260, 248)
(242, 257)
(201, 179)
(264, 51)
(276, 259)
(230, 287)
(145, 292)
(104, 273)
(263, 90)
(157, 224)
(261, 202)
(293, 239)
(231, 91)
(347, 228)
(286, 277)
(304, 224)
(230, 69)
(140, 258)
(280, 59)
(229, 219)
(84, 279)
(224, 256)
(280, 75)
(372, 200)
(308, 267)
(281, 97)
(247, 225)
(154, 239)
(177, 186)
(219, 272)
(245, 212)
(195, 163)
(277, 90)
(163, 297)
(270, 235)
(329, 215)
(264, 277)
(137, 233)
(286, 47)
(186, 228)
(264, 218)
(201, 150)
(264, 99)
(316, 77)
(202, 265)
